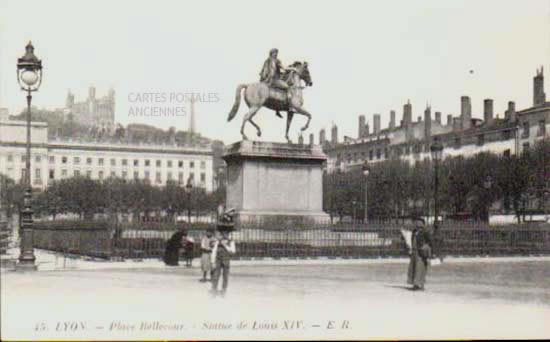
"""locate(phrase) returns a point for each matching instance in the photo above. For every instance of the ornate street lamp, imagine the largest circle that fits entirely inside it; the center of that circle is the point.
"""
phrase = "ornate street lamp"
(366, 169)
(29, 77)
(188, 189)
(436, 150)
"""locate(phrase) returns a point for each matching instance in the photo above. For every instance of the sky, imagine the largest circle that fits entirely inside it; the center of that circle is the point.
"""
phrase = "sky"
(365, 57)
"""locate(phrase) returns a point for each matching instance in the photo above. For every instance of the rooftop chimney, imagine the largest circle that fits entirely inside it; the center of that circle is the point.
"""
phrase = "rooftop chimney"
(428, 123)
(438, 117)
(367, 129)
(300, 139)
(488, 111)
(361, 133)
(419, 119)
(392, 120)
(376, 124)
(449, 119)
(311, 142)
(407, 113)
(322, 137)
(511, 111)
(465, 112)
(539, 97)
(334, 135)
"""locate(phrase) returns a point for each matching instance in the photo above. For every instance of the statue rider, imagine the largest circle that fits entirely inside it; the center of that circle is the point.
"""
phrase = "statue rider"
(271, 73)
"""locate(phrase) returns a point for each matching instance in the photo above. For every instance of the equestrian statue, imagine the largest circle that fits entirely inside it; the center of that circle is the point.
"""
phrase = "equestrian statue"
(279, 89)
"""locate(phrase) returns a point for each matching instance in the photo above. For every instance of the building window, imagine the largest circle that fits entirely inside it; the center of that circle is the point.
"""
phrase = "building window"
(89, 173)
(136, 175)
(89, 161)
(169, 163)
(542, 128)
(146, 174)
(100, 161)
(10, 158)
(76, 160)
(378, 153)
(525, 146)
(113, 174)
(203, 177)
(147, 162)
(64, 173)
(52, 160)
(136, 162)
(525, 129)
(158, 163)
(113, 162)
(506, 153)
(192, 176)
(37, 173)
(23, 158)
(64, 160)
(506, 135)
(37, 159)
(158, 178)
(191, 164)
(100, 175)
(407, 150)
(169, 176)
(180, 177)
(371, 155)
(23, 174)
(124, 174)
(52, 174)
(180, 163)
(124, 162)
(76, 173)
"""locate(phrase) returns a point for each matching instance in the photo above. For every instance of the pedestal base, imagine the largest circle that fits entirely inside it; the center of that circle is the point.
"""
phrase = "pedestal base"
(275, 183)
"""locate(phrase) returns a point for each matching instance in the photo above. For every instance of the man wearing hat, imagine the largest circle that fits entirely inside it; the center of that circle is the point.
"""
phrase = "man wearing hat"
(271, 73)
(420, 253)
(223, 249)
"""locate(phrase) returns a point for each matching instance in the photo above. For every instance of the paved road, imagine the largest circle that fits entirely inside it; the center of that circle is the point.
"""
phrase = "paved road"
(463, 300)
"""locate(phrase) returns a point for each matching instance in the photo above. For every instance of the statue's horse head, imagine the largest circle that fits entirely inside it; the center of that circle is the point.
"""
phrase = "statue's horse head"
(302, 71)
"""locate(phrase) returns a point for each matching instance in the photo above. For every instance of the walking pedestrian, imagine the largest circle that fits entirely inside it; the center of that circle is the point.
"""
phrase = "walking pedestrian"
(207, 243)
(224, 248)
(420, 254)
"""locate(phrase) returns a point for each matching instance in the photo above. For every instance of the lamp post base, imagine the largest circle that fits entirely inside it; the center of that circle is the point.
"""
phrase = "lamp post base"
(25, 266)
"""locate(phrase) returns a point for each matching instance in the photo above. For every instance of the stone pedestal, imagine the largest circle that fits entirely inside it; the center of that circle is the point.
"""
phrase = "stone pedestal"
(275, 183)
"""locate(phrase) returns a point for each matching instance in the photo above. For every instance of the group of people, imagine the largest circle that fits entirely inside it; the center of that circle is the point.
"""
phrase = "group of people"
(218, 247)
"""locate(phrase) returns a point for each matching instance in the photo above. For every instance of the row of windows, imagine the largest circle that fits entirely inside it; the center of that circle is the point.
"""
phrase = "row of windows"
(113, 161)
(124, 174)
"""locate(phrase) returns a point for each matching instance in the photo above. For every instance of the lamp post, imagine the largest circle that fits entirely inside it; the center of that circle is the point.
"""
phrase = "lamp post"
(487, 185)
(29, 77)
(188, 188)
(366, 169)
(436, 150)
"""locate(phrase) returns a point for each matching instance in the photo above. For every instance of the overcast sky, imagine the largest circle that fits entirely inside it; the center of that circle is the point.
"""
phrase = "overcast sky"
(365, 57)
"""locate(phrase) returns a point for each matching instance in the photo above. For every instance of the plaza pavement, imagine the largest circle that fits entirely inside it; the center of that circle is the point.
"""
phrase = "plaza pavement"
(285, 299)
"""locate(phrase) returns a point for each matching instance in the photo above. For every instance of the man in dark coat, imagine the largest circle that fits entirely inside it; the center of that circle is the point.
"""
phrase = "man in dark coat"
(420, 253)
(173, 245)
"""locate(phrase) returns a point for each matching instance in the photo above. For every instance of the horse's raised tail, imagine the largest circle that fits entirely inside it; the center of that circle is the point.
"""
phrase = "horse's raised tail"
(237, 103)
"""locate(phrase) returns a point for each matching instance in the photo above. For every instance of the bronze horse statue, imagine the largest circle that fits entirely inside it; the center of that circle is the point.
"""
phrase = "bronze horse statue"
(260, 94)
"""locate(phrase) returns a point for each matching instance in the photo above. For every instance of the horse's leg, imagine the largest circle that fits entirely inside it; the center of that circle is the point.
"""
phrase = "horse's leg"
(302, 111)
(252, 110)
(289, 117)
(258, 130)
